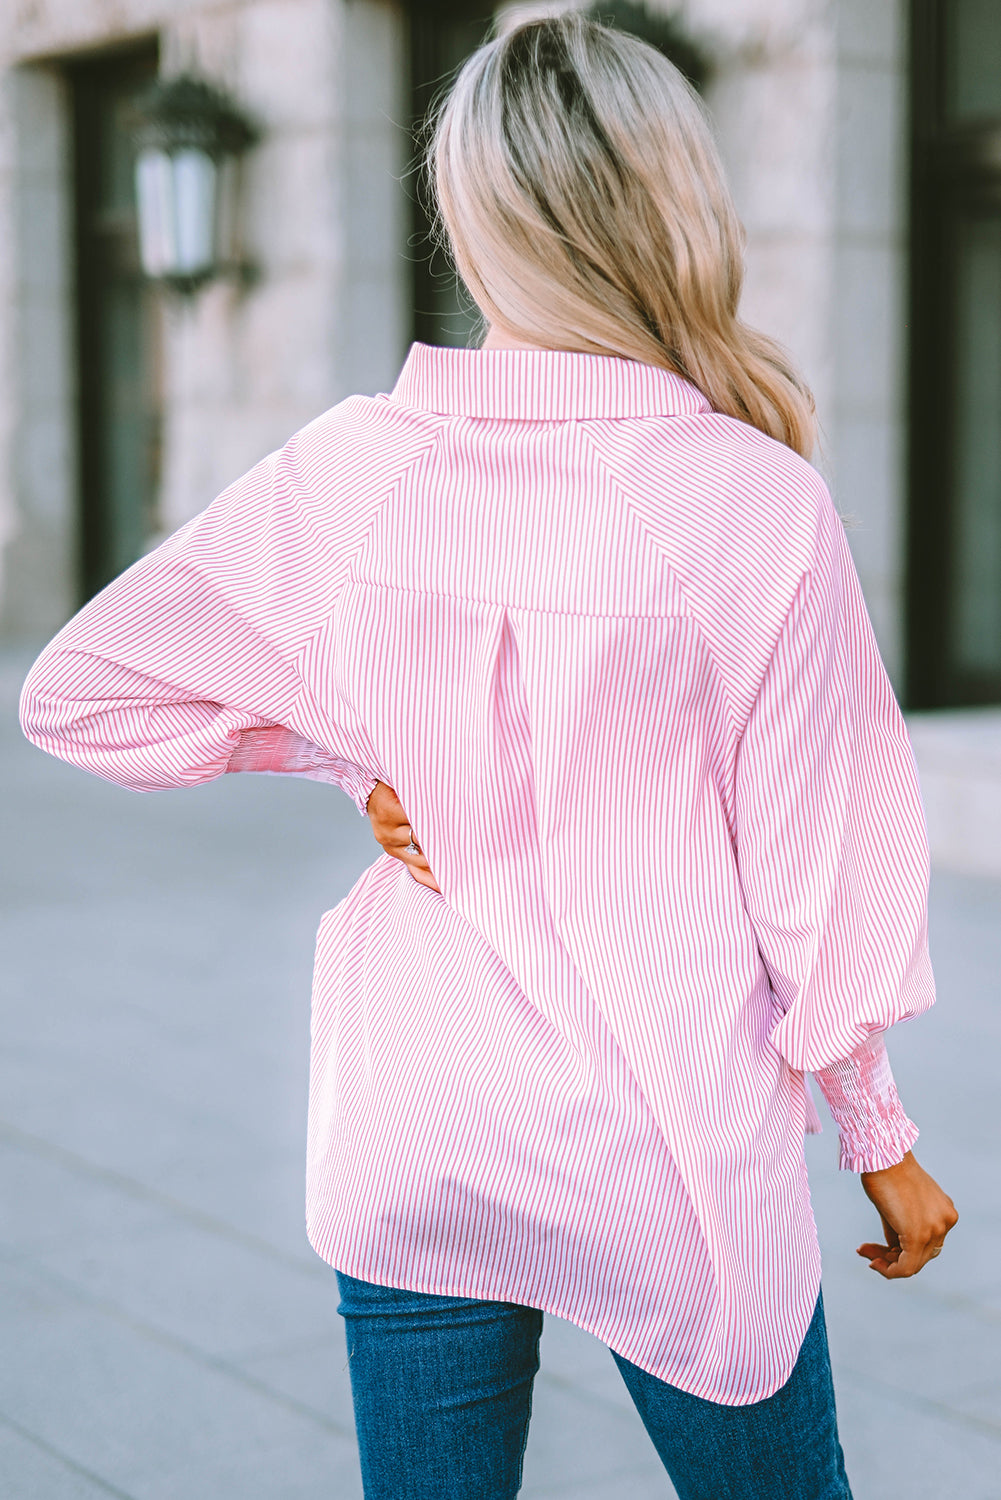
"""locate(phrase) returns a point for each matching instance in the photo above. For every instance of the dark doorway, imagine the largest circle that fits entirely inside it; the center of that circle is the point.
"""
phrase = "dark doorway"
(954, 553)
(118, 323)
(442, 35)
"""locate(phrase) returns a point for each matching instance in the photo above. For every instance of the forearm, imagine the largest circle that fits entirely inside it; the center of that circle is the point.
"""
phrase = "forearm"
(875, 1131)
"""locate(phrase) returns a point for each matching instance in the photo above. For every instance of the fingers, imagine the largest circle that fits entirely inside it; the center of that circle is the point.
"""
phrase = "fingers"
(908, 1263)
(392, 830)
(895, 1263)
(399, 846)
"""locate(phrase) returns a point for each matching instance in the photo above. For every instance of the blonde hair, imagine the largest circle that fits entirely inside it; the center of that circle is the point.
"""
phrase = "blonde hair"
(580, 188)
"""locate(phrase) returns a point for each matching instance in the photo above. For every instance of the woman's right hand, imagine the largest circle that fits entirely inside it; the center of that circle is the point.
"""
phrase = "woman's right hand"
(392, 830)
(916, 1216)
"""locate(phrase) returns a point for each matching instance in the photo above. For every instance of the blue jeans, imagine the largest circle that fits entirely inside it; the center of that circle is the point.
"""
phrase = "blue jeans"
(442, 1390)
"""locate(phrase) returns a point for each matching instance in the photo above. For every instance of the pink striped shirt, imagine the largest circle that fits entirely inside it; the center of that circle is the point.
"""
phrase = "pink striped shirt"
(610, 649)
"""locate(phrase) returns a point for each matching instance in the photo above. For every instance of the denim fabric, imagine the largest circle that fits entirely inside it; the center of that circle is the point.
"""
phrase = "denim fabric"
(442, 1390)
(783, 1448)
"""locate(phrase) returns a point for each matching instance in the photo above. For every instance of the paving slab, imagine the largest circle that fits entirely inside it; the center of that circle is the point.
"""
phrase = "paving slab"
(221, 1296)
(582, 1444)
(894, 1447)
(32, 1471)
(149, 1414)
(313, 1372)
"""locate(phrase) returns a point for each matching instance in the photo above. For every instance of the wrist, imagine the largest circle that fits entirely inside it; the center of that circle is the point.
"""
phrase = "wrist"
(900, 1168)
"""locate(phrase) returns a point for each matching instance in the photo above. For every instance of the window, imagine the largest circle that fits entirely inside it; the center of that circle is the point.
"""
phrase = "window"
(954, 552)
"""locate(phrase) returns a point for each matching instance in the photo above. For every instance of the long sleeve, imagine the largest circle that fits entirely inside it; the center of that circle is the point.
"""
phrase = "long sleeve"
(830, 833)
(159, 679)
(860, 1092)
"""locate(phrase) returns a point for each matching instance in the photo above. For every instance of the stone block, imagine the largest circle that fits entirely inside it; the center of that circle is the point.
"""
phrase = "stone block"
(867, 454)
(45, 465)
(41, 29)
(869, 329)
(9, 144)
(44, 238)
(292, 195)
(371, 42)
(205, 38)
(871, 161)
(777, 141)
(285, 338)
(374, 203)
(372, 333)
(45, 368)
(209, 446)
(871, 31)
(757, 29)
(866, 487)
(788, 295)
(286, 68)
(40, 98)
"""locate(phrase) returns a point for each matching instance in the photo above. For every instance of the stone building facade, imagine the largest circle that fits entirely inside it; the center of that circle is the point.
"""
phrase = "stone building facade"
(811, 102)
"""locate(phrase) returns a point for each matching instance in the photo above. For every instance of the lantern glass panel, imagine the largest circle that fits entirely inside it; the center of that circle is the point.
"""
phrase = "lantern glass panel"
(154, 194)
(195, 183)
(177, 194)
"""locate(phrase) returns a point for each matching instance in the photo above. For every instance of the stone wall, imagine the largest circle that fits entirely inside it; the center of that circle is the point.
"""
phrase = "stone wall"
(323, 229)
(37, 371)
(808, 96)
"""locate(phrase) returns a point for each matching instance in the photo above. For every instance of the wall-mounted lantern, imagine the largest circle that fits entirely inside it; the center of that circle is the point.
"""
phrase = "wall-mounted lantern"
(188, 138)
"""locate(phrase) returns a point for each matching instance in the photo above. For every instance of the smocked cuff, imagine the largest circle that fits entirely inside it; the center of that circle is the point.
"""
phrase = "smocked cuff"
(277, 751)
(862, 1097)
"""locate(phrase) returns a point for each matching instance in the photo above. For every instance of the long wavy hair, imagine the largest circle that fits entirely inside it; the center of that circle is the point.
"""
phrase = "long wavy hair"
(579, 186)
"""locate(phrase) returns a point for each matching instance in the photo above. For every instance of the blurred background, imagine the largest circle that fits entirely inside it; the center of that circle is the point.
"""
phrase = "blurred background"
(210, 231)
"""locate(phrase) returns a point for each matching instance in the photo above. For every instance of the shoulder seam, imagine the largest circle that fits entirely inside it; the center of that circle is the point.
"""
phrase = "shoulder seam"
(427, 445)
(692, 612)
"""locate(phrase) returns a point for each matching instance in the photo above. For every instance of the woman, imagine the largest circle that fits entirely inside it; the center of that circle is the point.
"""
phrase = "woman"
(578, 598)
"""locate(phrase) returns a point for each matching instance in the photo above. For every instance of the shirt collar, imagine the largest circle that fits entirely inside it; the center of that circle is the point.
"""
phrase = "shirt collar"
(540, 385)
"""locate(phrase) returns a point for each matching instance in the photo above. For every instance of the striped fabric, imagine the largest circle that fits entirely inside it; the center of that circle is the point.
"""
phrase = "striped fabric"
(609, 648)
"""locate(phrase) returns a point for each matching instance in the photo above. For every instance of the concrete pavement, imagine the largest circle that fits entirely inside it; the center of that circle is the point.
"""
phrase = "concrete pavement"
(167, 1332)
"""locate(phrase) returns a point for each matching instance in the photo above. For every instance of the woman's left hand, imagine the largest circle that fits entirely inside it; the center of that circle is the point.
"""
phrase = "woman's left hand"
(916, 1216)
(392, 830)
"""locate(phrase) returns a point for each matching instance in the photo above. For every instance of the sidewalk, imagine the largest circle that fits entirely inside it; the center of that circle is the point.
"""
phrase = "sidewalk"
(167, 1332)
